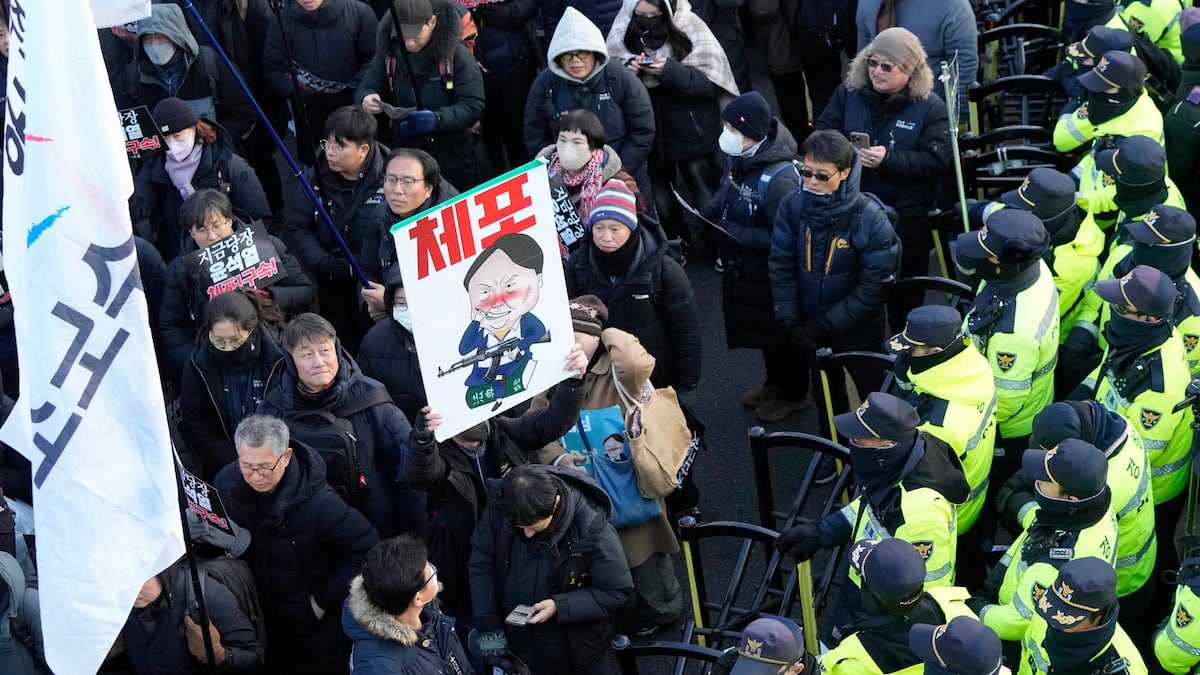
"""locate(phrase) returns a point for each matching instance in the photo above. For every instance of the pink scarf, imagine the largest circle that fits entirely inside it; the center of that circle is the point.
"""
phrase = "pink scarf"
(588, 177)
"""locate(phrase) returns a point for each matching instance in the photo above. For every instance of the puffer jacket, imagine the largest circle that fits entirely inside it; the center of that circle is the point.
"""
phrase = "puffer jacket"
(305, 543)
(827, 262)
(599, 12)
(213, 95)
(334, 42)
(378, 249)
(21, 606)
(388, 353)
(580, 535)
(456, 481)
(1181, 125)
(154, 207)
(185, 298)
(350, 204)
(612, 92)
(505, 38)
(749, 217)
(911, 124)
(382, 432)
(653, 301)
(207, 427)
(383, 645)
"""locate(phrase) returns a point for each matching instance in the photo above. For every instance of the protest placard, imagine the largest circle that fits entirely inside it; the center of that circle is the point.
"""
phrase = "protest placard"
(245, 258)
(566, 219)
(488, 298)
(141, 133)
(203, 500)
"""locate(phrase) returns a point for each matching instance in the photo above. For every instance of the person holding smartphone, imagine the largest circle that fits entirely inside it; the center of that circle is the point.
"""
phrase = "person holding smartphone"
(888, 110)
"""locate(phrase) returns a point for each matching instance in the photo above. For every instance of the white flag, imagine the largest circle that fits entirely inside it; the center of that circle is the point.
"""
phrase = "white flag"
(90, 416)
(116, 12)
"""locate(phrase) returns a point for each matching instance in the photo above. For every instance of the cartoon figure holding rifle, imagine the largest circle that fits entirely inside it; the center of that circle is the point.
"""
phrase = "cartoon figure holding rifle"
(503, 284)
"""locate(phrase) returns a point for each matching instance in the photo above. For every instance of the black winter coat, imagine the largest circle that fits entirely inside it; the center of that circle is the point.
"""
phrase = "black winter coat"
(506, 39)
(615, 95)
(455, 481)
(154, 207)
(382, 432)
(185, 298)
(599, 12)
(916, 133)
(827, 263)
(749, 217)
(207, 425)
(305, 543)
(686, 113)
(350, 204)
(1181, 125)
(378, 249)
(388, 353)
(383, 645)
(653, 301)
(579, 536)
(157, 645)
(335, 43)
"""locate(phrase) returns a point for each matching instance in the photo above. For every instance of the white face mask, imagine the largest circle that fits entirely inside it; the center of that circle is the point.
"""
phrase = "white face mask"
(402, 317)
(180, 149)
(573, 157)
(160, 53)
(731, 143)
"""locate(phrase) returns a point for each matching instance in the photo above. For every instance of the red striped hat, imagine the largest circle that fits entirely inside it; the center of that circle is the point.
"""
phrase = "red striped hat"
(614, 202)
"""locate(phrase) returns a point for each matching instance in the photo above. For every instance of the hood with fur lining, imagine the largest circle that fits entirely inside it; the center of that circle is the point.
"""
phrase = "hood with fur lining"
(376, 621)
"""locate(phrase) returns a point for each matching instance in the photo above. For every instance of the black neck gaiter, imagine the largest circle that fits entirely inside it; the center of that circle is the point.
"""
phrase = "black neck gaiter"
(1136, 201)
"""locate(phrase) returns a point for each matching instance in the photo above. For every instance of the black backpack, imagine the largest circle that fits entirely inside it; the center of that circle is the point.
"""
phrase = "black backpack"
(332, 435)
(236, 577)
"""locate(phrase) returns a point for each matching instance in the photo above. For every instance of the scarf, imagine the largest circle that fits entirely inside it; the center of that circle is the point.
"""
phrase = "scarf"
(1172, 260)
(879, 470)
(1063, 227)
(616, 264)
(1071, 650)
(1102, 107)
(1129, 338)
(587, 180)
(1137, 200)
(182, 172)
(920, 364)
(707, 55)
(1055, 516)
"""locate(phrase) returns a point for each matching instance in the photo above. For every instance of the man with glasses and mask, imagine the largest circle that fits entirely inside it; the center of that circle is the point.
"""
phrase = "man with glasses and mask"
(911, 485)
(832, 251)
(307, 545)
(348, 177)
(207, 215)
(391, 616)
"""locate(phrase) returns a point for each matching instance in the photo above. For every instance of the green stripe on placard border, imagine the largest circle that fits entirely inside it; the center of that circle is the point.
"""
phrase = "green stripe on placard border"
(524, 168)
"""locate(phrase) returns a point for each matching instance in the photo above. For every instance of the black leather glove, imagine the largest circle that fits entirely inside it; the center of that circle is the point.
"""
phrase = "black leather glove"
(1010, 499)
(801, 542)
(977, 604)
(421, 432)
(334, 268)
(817, 333)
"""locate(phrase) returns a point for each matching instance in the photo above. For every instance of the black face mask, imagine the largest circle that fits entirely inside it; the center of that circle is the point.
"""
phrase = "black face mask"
(1128, 336)
(1063, 227)
(1137, 200)
(920, 364)
(1069, 650)
(652, 30)
(1172, 260)
(1103, 107)
(237, 358)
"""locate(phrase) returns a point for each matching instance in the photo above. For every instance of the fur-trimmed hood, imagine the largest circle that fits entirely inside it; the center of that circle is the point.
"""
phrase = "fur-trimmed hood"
(374, 620)
(446, 34)
(920, 82)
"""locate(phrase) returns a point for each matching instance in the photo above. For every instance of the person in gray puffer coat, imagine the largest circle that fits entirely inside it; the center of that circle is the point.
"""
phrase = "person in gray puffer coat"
(19, 616)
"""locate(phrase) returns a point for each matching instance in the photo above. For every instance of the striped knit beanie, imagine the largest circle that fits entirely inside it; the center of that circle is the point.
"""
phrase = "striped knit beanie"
(615, 202)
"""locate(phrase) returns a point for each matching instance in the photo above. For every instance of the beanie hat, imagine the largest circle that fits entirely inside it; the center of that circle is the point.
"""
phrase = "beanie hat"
(173, 115)
(588, 315)
(900, 46)
(615, 202)
(750, 115)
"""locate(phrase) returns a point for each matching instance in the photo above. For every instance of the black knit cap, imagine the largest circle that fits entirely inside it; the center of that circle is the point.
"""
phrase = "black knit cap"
(750, 115)
(173, 115)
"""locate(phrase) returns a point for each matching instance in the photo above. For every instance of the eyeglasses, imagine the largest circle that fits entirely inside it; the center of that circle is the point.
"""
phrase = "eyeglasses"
(248, 470)
(885, 67)
(407, 181)
(579, 56)
(821, 177)
(227, 344)
(432, 576)
(331, 148)
(210, 228)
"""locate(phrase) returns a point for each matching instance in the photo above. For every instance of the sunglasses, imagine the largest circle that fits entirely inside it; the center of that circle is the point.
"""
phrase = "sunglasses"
(885, 67)
(821, 177)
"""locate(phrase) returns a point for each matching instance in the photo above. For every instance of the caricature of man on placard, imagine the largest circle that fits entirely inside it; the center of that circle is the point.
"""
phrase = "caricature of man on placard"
(503, 284)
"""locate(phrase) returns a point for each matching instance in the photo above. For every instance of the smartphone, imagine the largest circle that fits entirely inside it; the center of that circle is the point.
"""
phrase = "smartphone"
(647, 62)
(519, 616)
(860, 140)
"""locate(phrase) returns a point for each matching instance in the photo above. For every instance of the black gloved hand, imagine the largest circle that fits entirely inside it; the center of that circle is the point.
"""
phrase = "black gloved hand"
(798, 337)
(817, 333)
(977, 604)
(725, 664)
(421, 432)
(801, 542)
(334, 268)
(1010, 499)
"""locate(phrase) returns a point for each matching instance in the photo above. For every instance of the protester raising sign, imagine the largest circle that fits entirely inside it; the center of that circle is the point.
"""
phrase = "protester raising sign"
(141, 133)
(245, 258)
(486, 291)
